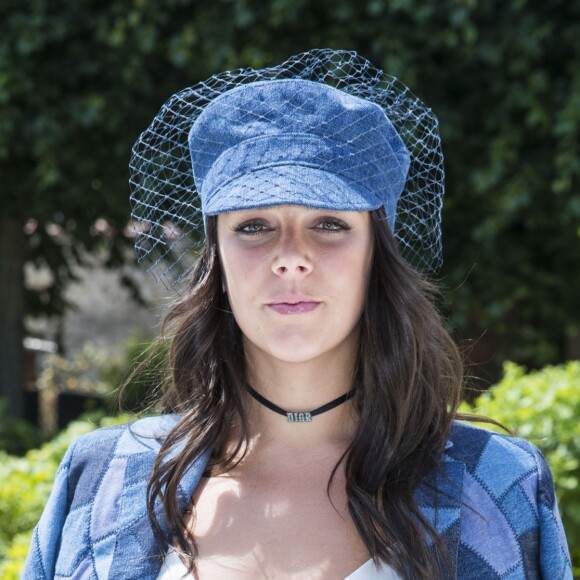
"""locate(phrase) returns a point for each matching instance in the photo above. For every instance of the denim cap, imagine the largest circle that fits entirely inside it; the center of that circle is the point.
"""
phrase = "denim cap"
(296, 142)
(325, 129)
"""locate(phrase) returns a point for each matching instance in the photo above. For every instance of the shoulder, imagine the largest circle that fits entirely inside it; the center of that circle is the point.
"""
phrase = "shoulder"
(476, 445)
(134, 436)
(93, 453)
(499, 461)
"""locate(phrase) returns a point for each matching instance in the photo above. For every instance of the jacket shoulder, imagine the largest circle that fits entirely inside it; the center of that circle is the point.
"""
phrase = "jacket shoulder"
(473, 445)
(499, 461)
(99, 491)
(137, 436)
(91, 456)
(510, 522)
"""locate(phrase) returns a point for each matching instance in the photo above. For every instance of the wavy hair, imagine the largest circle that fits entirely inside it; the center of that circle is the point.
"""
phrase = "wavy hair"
(407, 382)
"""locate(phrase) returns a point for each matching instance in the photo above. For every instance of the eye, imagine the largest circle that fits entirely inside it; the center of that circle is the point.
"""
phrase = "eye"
(252, 227)
(332, 225)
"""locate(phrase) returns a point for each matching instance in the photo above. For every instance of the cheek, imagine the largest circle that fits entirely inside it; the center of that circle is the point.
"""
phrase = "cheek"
(354, 266)
(242, 272)
(356, 269)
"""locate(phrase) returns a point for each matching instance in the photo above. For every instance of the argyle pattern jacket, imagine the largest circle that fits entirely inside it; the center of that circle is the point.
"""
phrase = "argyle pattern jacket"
(498, 514)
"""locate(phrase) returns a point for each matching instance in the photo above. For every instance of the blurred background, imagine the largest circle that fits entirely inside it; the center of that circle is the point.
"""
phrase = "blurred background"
(80, 80)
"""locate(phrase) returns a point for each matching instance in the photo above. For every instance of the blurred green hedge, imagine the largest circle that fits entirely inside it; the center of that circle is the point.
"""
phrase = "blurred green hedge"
(544, 408)
(16, 435)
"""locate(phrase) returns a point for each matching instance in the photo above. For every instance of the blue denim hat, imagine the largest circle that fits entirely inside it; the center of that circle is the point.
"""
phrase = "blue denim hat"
(294, 141)
(324, 129)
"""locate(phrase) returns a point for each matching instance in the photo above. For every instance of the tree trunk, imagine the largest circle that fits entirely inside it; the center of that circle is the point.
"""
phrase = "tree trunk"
(12, 253)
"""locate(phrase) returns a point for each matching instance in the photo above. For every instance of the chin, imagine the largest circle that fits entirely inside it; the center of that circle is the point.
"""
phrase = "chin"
(291, 346)
(301, 351)
(296, 358)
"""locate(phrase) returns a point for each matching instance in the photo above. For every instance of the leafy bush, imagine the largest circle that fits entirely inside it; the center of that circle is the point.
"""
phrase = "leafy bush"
(26, 484)
(544, 408)
(11, 567)
(16, 435)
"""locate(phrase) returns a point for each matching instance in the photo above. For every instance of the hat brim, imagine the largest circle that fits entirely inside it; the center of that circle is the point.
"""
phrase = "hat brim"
(290, 185)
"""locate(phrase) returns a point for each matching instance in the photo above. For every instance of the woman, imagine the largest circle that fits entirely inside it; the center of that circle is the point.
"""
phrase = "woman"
(309, 418)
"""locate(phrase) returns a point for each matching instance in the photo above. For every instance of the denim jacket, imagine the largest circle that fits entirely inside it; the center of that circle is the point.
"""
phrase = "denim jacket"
(498, 514)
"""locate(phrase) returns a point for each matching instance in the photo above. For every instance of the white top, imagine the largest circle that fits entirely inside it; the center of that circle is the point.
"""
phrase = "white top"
(174, 569)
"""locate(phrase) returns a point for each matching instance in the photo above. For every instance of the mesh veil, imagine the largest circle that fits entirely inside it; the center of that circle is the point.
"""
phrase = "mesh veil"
(164, 200)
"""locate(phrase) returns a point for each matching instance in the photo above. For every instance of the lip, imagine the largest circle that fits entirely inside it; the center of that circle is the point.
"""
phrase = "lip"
(293, 307)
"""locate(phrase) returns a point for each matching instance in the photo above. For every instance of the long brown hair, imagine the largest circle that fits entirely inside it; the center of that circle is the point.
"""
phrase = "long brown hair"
(408, 383)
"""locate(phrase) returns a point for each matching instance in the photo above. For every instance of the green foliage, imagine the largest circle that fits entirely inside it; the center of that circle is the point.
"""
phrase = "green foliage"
(11, 566)
(26, 484)
(16, 435)
(544, 408)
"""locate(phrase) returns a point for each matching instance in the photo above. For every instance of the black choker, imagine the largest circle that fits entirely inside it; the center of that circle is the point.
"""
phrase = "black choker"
(305, 416)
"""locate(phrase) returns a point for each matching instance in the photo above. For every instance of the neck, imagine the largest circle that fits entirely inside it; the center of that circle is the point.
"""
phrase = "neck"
(299, 387)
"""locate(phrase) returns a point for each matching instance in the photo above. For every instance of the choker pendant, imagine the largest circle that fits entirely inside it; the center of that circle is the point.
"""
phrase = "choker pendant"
(303, 416)
(299, 417)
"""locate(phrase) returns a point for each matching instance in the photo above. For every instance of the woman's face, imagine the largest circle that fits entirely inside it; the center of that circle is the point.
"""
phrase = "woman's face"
(296, 278)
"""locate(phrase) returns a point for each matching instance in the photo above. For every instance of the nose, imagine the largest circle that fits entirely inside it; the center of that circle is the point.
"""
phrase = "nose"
(292, 257)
